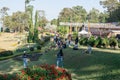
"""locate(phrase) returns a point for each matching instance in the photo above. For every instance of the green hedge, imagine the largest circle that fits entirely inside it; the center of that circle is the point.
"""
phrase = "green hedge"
(6, 53)
(19, 54)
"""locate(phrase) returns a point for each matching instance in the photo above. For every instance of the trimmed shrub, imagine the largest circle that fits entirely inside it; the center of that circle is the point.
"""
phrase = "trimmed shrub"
(40, 42)
(47, 38)
(22, 49)
(7, 30)
(38, 47)
(31, 48)
(6, 53)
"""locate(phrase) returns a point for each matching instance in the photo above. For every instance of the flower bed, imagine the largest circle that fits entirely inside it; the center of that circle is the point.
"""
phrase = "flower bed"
(42, 72)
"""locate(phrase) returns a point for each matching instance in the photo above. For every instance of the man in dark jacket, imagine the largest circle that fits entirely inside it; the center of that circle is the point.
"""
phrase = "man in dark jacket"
(76, 40)
(60, 58)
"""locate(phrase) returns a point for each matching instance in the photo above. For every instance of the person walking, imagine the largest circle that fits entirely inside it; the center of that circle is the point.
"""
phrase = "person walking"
(25, 62)
(60, 58)
(76, 40)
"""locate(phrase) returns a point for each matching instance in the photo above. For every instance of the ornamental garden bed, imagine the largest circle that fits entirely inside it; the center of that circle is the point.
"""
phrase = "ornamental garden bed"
(39, 72)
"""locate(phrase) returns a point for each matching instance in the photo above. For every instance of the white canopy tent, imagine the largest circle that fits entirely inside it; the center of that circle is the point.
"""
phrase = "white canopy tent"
(84, 33)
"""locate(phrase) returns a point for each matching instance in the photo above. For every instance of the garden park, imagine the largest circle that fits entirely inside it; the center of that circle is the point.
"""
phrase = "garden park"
(25, 33)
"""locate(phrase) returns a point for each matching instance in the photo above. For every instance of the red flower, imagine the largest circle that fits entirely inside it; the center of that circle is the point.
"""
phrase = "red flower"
(29, 78)
(23, 72)
(5, 76)
(42, 78)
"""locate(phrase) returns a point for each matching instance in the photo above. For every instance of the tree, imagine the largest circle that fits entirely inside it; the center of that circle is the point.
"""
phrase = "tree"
(112, 6)
(3, 13)
(8, 21)
(80, 14)
(103, 17)
(42, 21)
(36, 28)
(54, 21)
(74, 14)
(29, 11)
(27, 2)
(66, 15)
(94, 15)
(18, 21)
(115, 15)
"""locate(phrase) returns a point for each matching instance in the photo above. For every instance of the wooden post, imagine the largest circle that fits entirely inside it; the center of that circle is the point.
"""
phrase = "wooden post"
(88, 27)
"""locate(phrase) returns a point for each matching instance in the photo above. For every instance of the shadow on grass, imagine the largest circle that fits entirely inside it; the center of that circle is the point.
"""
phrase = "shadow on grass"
(10, 66)
(99, 65)
(32, 57)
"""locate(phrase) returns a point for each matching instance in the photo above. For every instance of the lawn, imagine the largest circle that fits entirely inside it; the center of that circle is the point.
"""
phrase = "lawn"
(102, 64)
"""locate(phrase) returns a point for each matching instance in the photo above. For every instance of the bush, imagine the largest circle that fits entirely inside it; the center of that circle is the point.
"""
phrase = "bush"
(40, 42)
(47, 38)
(22, 49)
(119, 43)
(105, 42)
(31, 48)
(38, 47)
(91, 41)
(42, 72)
(83, 41)
(98, 42)
(7, 30)
(113, 42)
(75, 34)
(6, 53)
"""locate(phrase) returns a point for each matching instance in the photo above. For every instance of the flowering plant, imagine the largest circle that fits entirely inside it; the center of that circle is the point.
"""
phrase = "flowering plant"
(42, 72)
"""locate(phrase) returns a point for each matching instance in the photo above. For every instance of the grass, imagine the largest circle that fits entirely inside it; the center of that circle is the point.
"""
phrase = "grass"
(102, 64)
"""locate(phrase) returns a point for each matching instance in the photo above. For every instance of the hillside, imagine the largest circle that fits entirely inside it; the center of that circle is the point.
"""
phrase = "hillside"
(8, 41)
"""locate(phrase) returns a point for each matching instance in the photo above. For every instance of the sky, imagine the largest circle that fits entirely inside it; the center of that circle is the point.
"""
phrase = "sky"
(52, 8)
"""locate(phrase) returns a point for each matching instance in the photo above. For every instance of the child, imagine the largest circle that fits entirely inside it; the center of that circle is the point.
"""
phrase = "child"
(60, 58)
(89, 50)
(25, 62)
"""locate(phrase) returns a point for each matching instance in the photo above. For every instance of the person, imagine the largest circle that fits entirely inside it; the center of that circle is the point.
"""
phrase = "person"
(18, 41)
(76, 40)
(64, 45)
(60, 58)
(58, 43)
(89, 50)
(75, 47)
(25, 62)
(69, 39)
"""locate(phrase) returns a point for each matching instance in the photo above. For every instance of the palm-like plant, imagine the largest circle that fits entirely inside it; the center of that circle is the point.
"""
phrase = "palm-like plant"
(98, 42)
(91, 41)
(105, 42)
(113, 42)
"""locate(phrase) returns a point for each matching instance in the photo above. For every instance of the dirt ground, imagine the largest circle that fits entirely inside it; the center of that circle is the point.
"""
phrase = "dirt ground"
(8, 41)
